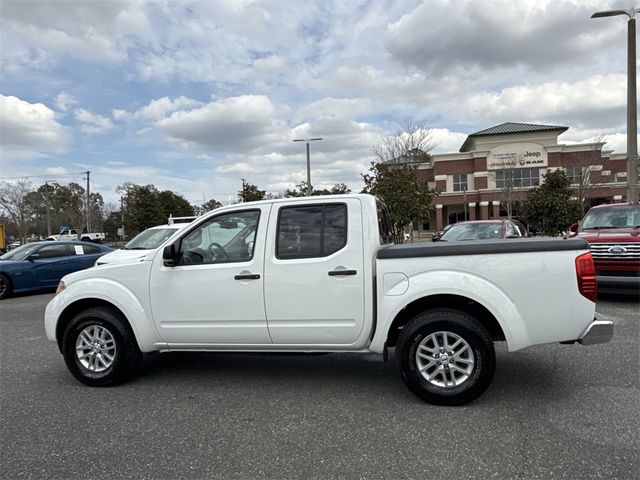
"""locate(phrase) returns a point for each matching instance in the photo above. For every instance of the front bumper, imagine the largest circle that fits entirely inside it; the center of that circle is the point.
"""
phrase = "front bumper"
(600, 330)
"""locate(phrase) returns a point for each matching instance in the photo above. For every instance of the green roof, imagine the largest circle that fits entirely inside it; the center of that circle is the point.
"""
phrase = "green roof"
(511, 127)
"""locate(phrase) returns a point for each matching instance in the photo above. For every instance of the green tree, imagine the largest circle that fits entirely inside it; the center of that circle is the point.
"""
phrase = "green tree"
(142, 208)
(408, 198)
(550, 207)
(175, 205)
(250, 193)
(145, 206)
(53, 205)
(207, 206)
(301, 190)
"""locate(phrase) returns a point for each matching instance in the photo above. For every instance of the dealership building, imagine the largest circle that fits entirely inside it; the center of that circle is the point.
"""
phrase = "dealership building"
(512, 158)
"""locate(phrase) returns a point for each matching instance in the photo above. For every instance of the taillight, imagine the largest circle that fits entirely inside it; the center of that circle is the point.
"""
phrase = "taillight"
(586, 272)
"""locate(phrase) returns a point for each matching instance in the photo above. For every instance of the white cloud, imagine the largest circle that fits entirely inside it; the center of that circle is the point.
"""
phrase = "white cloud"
(616, 142)
(91, 122)
(228, 125)
(439, 37)
(446, 141)
(64, 100)
(29, 129)
(89, 31)
(272, 64)
(597, 102)
(156, 109)
(56, 170)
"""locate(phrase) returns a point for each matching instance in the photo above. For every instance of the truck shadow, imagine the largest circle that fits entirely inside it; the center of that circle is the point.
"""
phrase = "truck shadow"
(517, 378)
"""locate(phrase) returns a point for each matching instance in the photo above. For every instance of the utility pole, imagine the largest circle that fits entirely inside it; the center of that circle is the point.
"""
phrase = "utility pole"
(307, 140)
(48, 208)
(88, 202)
(122, 215)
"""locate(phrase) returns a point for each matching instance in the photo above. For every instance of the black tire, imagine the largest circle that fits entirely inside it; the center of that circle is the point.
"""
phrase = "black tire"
(480, 364)
(125, 358)
(5, 286)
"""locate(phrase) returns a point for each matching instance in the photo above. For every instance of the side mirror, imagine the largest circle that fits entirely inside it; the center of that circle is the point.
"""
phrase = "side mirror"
(169, 255)
(33, 257)
(574, 228)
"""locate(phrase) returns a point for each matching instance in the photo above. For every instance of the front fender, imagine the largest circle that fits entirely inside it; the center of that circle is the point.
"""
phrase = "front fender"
(463, 284)
(110, 291)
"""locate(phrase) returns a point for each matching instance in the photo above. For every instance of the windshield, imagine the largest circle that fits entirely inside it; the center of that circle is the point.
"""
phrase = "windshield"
(150, 239)
(623, 216)
(20, 253)
(472, 231)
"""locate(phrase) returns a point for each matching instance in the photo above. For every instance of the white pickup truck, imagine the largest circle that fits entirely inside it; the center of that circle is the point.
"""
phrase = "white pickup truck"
(73, 234)
(319, 274)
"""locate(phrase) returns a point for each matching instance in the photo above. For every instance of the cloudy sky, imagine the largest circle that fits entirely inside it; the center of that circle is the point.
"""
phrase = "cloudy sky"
(195, 96)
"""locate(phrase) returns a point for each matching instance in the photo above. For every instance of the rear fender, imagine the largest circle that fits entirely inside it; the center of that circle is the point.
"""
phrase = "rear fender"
(462, 284)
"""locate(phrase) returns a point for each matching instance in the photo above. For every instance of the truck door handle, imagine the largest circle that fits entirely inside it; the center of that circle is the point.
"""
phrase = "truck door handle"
(337, 273)
(247, 276)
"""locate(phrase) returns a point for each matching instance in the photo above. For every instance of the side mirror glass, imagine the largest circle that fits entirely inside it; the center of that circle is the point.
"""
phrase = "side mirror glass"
(574, 228)
(169, 256)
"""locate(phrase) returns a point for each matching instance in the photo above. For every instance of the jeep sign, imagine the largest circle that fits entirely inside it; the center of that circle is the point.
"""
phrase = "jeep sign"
(517, 155)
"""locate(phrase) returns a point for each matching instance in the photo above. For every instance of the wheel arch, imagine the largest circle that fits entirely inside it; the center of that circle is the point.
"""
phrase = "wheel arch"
(78, 306)
(449, 302)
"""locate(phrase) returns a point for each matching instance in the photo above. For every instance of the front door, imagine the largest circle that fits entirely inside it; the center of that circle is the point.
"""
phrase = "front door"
(54, 261)
(214, 295)
(315, 273)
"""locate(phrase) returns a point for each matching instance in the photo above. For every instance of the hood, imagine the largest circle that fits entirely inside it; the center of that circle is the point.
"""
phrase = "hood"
(611, 235)
(123, 256)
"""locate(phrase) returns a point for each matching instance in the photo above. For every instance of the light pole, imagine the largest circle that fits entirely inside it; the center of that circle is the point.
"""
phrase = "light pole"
(632, 114)
(307, 140)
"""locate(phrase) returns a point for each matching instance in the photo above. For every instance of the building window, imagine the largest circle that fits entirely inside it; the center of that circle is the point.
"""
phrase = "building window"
(459, 182)
(517, 177)
(574, 173)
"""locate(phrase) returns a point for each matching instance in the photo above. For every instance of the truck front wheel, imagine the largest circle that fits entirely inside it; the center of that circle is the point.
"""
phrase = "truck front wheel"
(99, 348)
(446, 357)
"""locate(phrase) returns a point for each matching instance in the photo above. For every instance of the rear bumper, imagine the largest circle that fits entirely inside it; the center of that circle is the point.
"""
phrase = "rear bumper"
(618, 284)
(600, 330)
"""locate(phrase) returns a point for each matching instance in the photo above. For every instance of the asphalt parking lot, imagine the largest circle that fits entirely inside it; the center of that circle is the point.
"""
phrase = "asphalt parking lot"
(554, 411)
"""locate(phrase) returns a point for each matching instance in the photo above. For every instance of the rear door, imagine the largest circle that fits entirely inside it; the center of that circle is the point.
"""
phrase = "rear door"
(314, 279)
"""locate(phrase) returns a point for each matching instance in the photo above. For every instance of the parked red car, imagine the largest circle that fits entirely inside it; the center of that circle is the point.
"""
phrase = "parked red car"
(613, 231)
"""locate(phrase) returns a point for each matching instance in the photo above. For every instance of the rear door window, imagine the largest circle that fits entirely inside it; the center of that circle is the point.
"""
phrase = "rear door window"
(311, 231)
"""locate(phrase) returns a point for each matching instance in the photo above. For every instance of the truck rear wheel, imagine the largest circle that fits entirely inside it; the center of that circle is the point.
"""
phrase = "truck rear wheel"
(446, 357)
(99, 348)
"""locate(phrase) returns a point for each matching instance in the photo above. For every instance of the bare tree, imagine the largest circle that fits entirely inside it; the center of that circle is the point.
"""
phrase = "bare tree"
(410, 144)
(395, 178)
(13, 200)
(580, 168)
(507, 180)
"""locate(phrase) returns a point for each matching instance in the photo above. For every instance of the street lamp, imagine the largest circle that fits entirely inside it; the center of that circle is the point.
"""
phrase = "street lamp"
(307, 140)
(632, 114)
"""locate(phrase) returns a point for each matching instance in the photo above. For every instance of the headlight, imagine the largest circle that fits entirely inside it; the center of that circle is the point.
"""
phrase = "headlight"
(61, 287)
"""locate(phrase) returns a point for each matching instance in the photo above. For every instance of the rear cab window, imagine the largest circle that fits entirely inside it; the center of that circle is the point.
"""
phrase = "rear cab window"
(309, 231)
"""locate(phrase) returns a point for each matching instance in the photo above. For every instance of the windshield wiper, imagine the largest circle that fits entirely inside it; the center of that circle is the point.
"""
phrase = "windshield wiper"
(138, 248)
